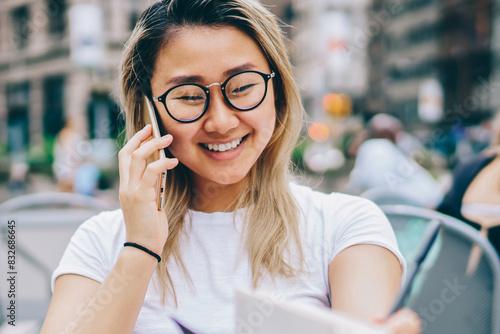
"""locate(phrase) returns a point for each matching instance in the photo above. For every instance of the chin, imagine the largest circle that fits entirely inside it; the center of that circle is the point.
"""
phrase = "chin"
(225, 179)
(229, 179)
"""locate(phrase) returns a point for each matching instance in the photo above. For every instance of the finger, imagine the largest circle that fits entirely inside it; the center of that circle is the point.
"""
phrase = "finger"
(404, 321)
(137, 139)
(153, 171)
(138, 158)
(124, 156)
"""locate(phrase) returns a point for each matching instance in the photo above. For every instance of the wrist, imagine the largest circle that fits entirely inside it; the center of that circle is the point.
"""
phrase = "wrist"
(132, 254)
(154, 244)
(144, 249)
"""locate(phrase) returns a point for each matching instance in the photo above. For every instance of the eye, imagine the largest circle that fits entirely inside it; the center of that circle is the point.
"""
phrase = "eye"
(187, 94)
(242, 89)
(189, 98)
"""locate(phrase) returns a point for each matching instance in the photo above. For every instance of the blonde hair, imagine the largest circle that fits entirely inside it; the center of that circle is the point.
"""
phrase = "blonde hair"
(271, 214)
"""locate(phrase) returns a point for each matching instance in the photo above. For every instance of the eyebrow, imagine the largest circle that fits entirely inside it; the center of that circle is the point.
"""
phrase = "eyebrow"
(244, 67)
(198, 78)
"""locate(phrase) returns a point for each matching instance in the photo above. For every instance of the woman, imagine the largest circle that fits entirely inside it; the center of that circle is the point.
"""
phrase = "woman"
(220, 79)
(477, 181)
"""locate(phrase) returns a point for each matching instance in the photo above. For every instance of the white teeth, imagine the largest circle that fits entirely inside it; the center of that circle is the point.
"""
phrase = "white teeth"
(223, 147)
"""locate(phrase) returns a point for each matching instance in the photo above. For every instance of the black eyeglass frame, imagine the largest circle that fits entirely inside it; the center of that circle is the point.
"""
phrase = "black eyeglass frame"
(265, 76)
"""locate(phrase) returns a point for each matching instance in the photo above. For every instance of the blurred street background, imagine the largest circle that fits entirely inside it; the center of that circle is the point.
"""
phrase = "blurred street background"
(434, 65)
(397, 94)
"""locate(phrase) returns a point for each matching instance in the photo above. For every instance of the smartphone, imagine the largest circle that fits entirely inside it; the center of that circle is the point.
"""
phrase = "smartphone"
(149, 117)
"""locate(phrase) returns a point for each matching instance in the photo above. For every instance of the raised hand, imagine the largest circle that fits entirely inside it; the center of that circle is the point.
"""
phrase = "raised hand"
(145, 224)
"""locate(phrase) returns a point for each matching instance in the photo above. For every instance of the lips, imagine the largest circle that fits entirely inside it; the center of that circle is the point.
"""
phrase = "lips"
(223, 147)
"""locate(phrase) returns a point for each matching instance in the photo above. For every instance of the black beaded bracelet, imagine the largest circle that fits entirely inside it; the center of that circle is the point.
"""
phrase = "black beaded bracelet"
(133, 244)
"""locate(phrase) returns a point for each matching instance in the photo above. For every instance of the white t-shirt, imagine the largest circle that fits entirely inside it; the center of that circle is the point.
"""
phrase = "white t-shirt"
(211, 250)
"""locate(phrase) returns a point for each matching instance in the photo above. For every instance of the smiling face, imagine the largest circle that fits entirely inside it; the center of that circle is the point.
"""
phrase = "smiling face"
(222, 146)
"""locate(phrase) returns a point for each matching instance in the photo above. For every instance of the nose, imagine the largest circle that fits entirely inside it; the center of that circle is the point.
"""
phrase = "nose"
(220, 117)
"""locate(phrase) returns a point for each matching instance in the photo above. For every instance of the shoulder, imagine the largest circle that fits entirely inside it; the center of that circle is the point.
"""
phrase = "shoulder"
(463, 174)
(94, 247)
(105, 222)
(104, 232)
(336, 213)
(335, 203)
(472, 166)
(337, 221)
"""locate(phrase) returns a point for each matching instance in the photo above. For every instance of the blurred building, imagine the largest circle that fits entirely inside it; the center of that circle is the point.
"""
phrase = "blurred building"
(58, 61)
(465, 62)
(445, 44)
(330, 38)
(402, 55)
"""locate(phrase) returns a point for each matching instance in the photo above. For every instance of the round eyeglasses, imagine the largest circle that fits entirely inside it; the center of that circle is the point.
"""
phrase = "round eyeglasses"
(188, 102)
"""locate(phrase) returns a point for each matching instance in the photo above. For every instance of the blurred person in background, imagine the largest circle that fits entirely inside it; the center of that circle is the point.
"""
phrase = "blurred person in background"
(18, 177)
(477, 181)
(222, 85)
(19, 168)
(388, 127)
(70, 149)
(86, 178)
(383, 161)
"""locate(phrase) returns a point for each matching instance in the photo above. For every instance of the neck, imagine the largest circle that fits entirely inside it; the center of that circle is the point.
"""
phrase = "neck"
(211, 197)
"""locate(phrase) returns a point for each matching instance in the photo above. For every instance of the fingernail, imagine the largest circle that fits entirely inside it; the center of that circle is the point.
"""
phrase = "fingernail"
(167, 137)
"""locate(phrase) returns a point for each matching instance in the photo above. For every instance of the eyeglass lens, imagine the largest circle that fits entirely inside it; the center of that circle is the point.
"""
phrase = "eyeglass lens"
(243, 91)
